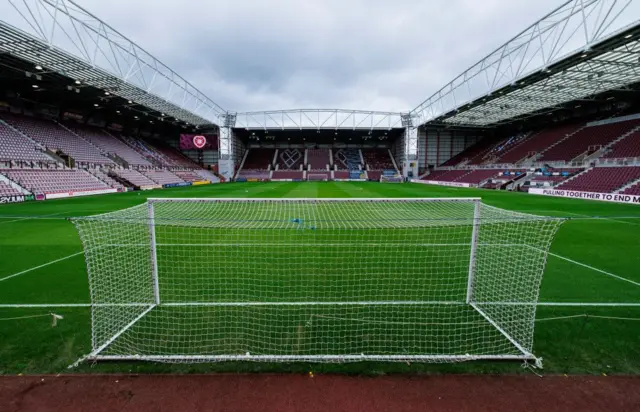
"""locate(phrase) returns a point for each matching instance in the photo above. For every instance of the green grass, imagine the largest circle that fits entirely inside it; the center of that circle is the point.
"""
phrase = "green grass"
(603, 341)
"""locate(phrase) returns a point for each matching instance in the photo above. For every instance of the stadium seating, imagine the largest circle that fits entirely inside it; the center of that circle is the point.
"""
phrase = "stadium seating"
(14, 146)
(602, 179)
(173, 158)
(258, 159)
(346, 159)
(377, 159)
(56, 138)
(626, 148)
(289, 164)
(446, 175)
(290, 159)
(6, 190)
(535, 143)
(188, 176)
(162, 177)
(134, 177)
(105, 178)
(55, 180)
(318, 159)
(111, 145)
(207, 175)
(475, 177)
(589, 139)
(476, 151)
(633, 190)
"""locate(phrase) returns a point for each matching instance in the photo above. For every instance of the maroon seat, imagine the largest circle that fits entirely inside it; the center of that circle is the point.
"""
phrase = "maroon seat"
(588, 140)
(627, 147)
(602, 179)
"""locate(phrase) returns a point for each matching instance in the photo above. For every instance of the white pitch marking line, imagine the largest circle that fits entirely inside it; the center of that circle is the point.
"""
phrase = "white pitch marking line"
(41, 266)
(210, 304)
(595, 269)
(30, 217)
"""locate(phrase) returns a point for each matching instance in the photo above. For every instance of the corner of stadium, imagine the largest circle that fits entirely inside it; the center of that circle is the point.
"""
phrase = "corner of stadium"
(489, 231)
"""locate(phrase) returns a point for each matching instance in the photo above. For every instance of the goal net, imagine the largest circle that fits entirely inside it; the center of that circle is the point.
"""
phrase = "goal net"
(326, 280)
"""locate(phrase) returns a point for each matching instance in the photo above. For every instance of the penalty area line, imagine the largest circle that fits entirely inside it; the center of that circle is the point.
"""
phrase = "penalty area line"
(40, 266)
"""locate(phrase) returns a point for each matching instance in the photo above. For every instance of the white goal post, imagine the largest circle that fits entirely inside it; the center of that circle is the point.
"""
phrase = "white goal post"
(317, 280)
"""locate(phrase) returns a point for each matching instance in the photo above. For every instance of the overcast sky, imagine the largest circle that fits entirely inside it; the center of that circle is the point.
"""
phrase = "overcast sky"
(356, 54)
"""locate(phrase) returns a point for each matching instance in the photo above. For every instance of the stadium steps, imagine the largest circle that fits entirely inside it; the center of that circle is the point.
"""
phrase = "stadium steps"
(244, 158)
(627, 186)
(393, 160)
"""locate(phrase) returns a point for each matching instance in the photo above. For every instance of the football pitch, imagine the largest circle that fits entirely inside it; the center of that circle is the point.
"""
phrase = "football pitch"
(588, 320)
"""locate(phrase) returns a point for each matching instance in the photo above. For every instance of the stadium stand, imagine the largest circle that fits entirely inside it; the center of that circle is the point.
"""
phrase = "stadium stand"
(112, 146)
(628, 147)
(6, 190)
(55, 180)
(447, 175)
(478, 176)
(318, 159)
(57, 139)
(188, 175)
(602, 179)
(257, 164)
(588, 140)
(207, 175)
(470, 153)
(134, 177)
(632, 190)
(105, 178)
(346, 159)
(259, 159)
(162, 177)
(289, 164)
(16, 147)
(534, 144)
(378, 159)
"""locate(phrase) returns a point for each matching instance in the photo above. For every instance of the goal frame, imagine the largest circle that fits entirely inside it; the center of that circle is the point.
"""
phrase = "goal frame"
(96, 354)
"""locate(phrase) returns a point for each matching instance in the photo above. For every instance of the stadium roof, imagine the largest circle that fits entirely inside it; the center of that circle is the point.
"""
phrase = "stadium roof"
(576, 52)
(320, 119)
(64, 38)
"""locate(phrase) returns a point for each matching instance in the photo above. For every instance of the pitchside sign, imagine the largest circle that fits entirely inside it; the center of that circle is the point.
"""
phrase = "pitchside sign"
(605, 197)
(198, 141)
(439, 183)
(16, 199)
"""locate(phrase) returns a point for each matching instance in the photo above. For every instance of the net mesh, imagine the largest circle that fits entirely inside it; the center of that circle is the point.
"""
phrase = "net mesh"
(189, 280)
